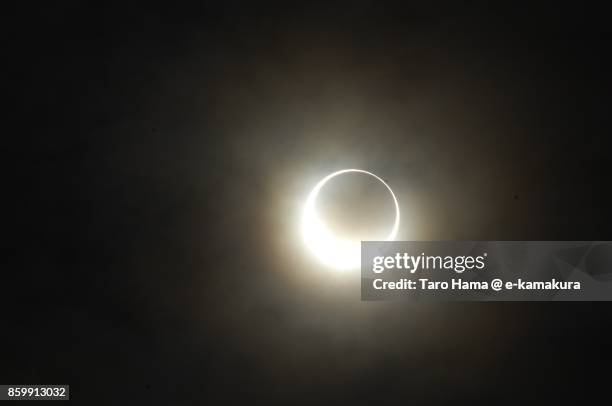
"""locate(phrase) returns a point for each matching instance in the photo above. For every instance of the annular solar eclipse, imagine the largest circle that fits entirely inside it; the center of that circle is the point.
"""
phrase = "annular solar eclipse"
(333, 251)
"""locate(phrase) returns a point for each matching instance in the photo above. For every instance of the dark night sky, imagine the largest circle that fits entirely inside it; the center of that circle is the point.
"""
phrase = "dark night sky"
(162, 155)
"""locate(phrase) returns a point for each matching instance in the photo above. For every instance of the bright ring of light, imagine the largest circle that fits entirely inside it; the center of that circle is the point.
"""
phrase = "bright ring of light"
(333, 251)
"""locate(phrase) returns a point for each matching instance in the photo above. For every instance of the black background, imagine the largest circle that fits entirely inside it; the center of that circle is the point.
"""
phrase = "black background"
(145, 159)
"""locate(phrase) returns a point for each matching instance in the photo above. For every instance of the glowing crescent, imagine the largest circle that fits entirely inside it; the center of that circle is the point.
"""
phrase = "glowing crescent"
(336, 252)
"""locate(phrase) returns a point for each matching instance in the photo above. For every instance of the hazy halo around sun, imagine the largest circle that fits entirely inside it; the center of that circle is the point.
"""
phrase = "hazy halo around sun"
(333, 251)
